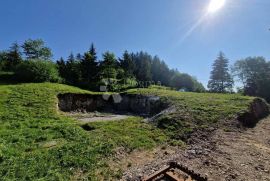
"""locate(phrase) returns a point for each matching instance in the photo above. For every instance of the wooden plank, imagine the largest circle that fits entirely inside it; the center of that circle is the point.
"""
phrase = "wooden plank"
(151, 177)
(174, 177)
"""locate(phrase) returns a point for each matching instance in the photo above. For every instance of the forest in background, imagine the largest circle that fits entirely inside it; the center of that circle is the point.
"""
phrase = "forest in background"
(32, 62)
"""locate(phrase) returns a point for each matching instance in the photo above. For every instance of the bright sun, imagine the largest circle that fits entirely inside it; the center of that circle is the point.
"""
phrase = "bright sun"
(215, 5)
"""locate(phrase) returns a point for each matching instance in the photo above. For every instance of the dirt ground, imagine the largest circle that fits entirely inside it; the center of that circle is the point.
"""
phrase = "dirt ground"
(97, 117)
(222, 154)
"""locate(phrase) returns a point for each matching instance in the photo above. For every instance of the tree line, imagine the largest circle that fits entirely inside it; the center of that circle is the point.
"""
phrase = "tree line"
(252, 72)
(32, 62)
(86, 70)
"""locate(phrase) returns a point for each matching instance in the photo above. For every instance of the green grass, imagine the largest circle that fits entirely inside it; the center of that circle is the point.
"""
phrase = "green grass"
(196, 110)
(203, 107)
(29, 122)
(38, 143)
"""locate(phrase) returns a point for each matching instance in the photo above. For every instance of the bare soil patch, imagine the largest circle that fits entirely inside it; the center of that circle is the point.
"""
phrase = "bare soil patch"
(220, 154)
(97, 116)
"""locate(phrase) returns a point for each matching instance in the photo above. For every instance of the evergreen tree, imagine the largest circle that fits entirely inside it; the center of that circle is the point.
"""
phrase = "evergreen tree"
(160, 71)
(73, 71)
(71, 58)
(89, 67)
(13, 56)
(156, 69)
(79, 57)
(127, 64)
(143, 66)
(108, 66)
(61, 65)
(220, 79)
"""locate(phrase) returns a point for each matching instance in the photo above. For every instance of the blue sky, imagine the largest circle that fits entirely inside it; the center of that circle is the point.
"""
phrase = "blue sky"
(160, 27)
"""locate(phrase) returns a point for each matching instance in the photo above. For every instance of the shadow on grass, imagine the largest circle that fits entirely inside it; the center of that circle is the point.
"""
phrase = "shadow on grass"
(9, 78)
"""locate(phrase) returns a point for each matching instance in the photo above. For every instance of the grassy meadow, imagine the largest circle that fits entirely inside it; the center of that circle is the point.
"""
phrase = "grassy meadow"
(37, 142)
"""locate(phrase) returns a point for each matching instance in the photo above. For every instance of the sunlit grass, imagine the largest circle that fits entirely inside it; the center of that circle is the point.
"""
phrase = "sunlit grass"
(36, 142)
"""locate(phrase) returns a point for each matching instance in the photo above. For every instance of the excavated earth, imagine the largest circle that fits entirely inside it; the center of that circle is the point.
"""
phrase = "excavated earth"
(236, 149)
(232, 150)
(221, 155)
(91, 108)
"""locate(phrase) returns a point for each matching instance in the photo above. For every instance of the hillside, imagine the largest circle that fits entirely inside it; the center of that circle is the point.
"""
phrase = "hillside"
(40, 142)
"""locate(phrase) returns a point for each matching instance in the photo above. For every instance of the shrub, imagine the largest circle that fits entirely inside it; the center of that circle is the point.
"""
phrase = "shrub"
(37, 71)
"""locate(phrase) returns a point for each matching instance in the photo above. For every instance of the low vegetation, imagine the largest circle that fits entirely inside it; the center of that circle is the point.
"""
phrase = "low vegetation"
(38, 142)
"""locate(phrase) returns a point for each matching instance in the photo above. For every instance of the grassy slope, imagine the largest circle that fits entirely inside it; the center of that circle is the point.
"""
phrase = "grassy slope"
(30, 123)
(196, 110)
(204, 107)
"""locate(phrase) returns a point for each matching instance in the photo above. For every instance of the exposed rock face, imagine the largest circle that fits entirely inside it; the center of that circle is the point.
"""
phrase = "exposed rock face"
(131, 103)
(145, 105)
(258, 109)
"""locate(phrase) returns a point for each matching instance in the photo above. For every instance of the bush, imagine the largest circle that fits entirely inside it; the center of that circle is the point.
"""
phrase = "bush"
(37, 71)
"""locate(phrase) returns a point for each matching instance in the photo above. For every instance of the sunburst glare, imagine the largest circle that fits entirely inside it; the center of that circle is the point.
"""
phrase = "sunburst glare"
(215, 5)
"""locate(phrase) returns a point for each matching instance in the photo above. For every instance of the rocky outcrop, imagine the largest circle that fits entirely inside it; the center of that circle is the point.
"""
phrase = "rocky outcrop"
(126, 103)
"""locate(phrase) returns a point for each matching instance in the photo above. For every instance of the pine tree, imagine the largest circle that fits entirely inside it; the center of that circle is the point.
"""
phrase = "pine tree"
(61, 65)
(143, 66)
(79, 57)
(73, 71)
(71, 58)
(127, 64)
(89, 67)
(220, 79)
(156, 69)
(160, 71)
(108, 66)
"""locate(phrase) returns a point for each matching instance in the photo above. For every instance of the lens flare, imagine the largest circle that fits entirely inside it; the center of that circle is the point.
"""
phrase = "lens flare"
(215, 5)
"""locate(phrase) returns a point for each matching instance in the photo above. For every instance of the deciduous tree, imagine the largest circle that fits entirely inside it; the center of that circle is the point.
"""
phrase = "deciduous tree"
(36, 49)
(254, 74)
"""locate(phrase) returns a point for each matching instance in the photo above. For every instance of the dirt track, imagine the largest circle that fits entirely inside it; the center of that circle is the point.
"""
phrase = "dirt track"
(221, 154)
